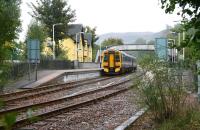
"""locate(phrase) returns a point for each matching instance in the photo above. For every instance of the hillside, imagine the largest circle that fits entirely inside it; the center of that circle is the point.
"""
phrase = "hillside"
(130, 37)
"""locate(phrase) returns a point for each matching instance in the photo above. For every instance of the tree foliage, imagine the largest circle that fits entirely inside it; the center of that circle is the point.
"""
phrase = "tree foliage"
(9, 20)
(9, 28)
(9, 25)
(151, 42)
(112, 42)
(88, 29)
(95, 47)
(140, 41)
(190, 12)
(36, 31)
(50, 12)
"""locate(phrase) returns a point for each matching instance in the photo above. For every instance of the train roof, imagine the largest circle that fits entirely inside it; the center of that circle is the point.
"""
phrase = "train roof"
(124, 53)
(128, 54)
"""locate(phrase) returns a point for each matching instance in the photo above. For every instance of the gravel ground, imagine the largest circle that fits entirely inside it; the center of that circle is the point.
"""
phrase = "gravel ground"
(104, 115)
(70, 102)
(52, 96)
(53, 87)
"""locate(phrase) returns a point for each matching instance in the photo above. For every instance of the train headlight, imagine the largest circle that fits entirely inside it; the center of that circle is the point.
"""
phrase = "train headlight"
(105, 64)
(117, 64)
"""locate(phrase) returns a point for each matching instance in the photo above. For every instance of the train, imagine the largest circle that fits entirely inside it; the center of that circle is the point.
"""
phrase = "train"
(116, 62)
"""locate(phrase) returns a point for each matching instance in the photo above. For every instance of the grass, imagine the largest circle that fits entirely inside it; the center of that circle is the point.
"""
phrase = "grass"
(189, 120)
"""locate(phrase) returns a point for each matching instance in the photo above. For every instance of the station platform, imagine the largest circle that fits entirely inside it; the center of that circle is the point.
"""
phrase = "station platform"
(43, 77)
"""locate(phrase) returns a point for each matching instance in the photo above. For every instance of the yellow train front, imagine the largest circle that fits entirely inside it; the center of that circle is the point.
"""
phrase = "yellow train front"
(117, 62)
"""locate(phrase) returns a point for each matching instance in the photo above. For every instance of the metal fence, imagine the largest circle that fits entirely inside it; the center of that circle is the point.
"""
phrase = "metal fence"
(22, 68)
(55, 64)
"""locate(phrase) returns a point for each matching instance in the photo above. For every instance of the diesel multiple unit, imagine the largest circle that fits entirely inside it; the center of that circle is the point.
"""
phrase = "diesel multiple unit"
(117, 62)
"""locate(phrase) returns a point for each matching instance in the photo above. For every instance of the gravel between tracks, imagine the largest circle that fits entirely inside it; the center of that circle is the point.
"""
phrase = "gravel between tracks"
(72, 101)
(104, 115)
(60, 94)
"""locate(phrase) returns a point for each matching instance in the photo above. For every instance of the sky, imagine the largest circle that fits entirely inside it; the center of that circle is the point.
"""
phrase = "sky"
(113, 15)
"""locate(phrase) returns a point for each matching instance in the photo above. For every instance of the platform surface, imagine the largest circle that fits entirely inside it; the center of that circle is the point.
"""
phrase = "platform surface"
(43, 76)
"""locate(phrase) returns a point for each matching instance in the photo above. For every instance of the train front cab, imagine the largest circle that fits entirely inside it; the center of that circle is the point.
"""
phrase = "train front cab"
(111, 62)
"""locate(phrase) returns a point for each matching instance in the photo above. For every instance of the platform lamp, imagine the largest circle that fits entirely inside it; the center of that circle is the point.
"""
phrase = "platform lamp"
(179, 35)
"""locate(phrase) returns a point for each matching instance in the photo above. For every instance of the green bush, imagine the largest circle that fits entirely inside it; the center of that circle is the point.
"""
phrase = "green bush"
(4, 74)
(190, 120)
(8, 120)
(162, 88)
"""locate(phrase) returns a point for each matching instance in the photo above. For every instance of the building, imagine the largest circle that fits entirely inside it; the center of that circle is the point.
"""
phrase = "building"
(77, 44)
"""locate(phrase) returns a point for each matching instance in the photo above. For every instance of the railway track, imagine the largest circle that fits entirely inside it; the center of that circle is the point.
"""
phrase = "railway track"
(88, 97)
(58, 100)
(67, 103)
(44, 90)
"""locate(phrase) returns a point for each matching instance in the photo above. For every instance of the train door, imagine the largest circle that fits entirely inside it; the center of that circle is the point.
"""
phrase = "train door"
(111, 60)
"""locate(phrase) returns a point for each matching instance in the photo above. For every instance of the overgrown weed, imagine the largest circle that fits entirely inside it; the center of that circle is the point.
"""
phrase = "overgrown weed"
(162, 89)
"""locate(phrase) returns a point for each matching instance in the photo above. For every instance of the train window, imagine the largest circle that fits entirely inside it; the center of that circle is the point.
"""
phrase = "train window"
(126, 58)
(117, 58)
(105, 59)
(129, 59)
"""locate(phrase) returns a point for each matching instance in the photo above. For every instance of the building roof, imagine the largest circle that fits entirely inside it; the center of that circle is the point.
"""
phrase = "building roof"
(88, 37)
(73, 30)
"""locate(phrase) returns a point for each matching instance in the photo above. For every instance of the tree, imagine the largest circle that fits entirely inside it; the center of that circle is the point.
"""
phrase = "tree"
(140, 41)
(95, 47)
(188, 9)
(112, 42)
(9, 26)
(50, 12)
(37, 31)
(88, 29)
(94, 51)
(9, 22)
(151, 42)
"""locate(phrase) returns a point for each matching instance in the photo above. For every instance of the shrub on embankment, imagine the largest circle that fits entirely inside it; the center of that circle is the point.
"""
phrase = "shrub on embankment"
(164, 93)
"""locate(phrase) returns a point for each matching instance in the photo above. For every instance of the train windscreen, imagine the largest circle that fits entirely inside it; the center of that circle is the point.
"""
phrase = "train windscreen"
(117, 58)
(105, 59)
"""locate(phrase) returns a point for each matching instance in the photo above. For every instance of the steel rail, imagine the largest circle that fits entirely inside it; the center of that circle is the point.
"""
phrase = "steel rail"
(59, 100)
(40, 88)
(53, 90)
(58, 111)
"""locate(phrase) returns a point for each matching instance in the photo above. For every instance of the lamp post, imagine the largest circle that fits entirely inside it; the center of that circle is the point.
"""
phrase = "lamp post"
(173, 51)
(54, 39)
(77, 43)
(184, 47)
(179, 36)
(100, 55)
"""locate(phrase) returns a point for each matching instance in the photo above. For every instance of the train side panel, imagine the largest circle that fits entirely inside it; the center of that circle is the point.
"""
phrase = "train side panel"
(127, 64)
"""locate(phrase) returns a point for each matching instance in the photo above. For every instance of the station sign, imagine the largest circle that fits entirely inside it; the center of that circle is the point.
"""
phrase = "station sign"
(161, 48)
(33, 46)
